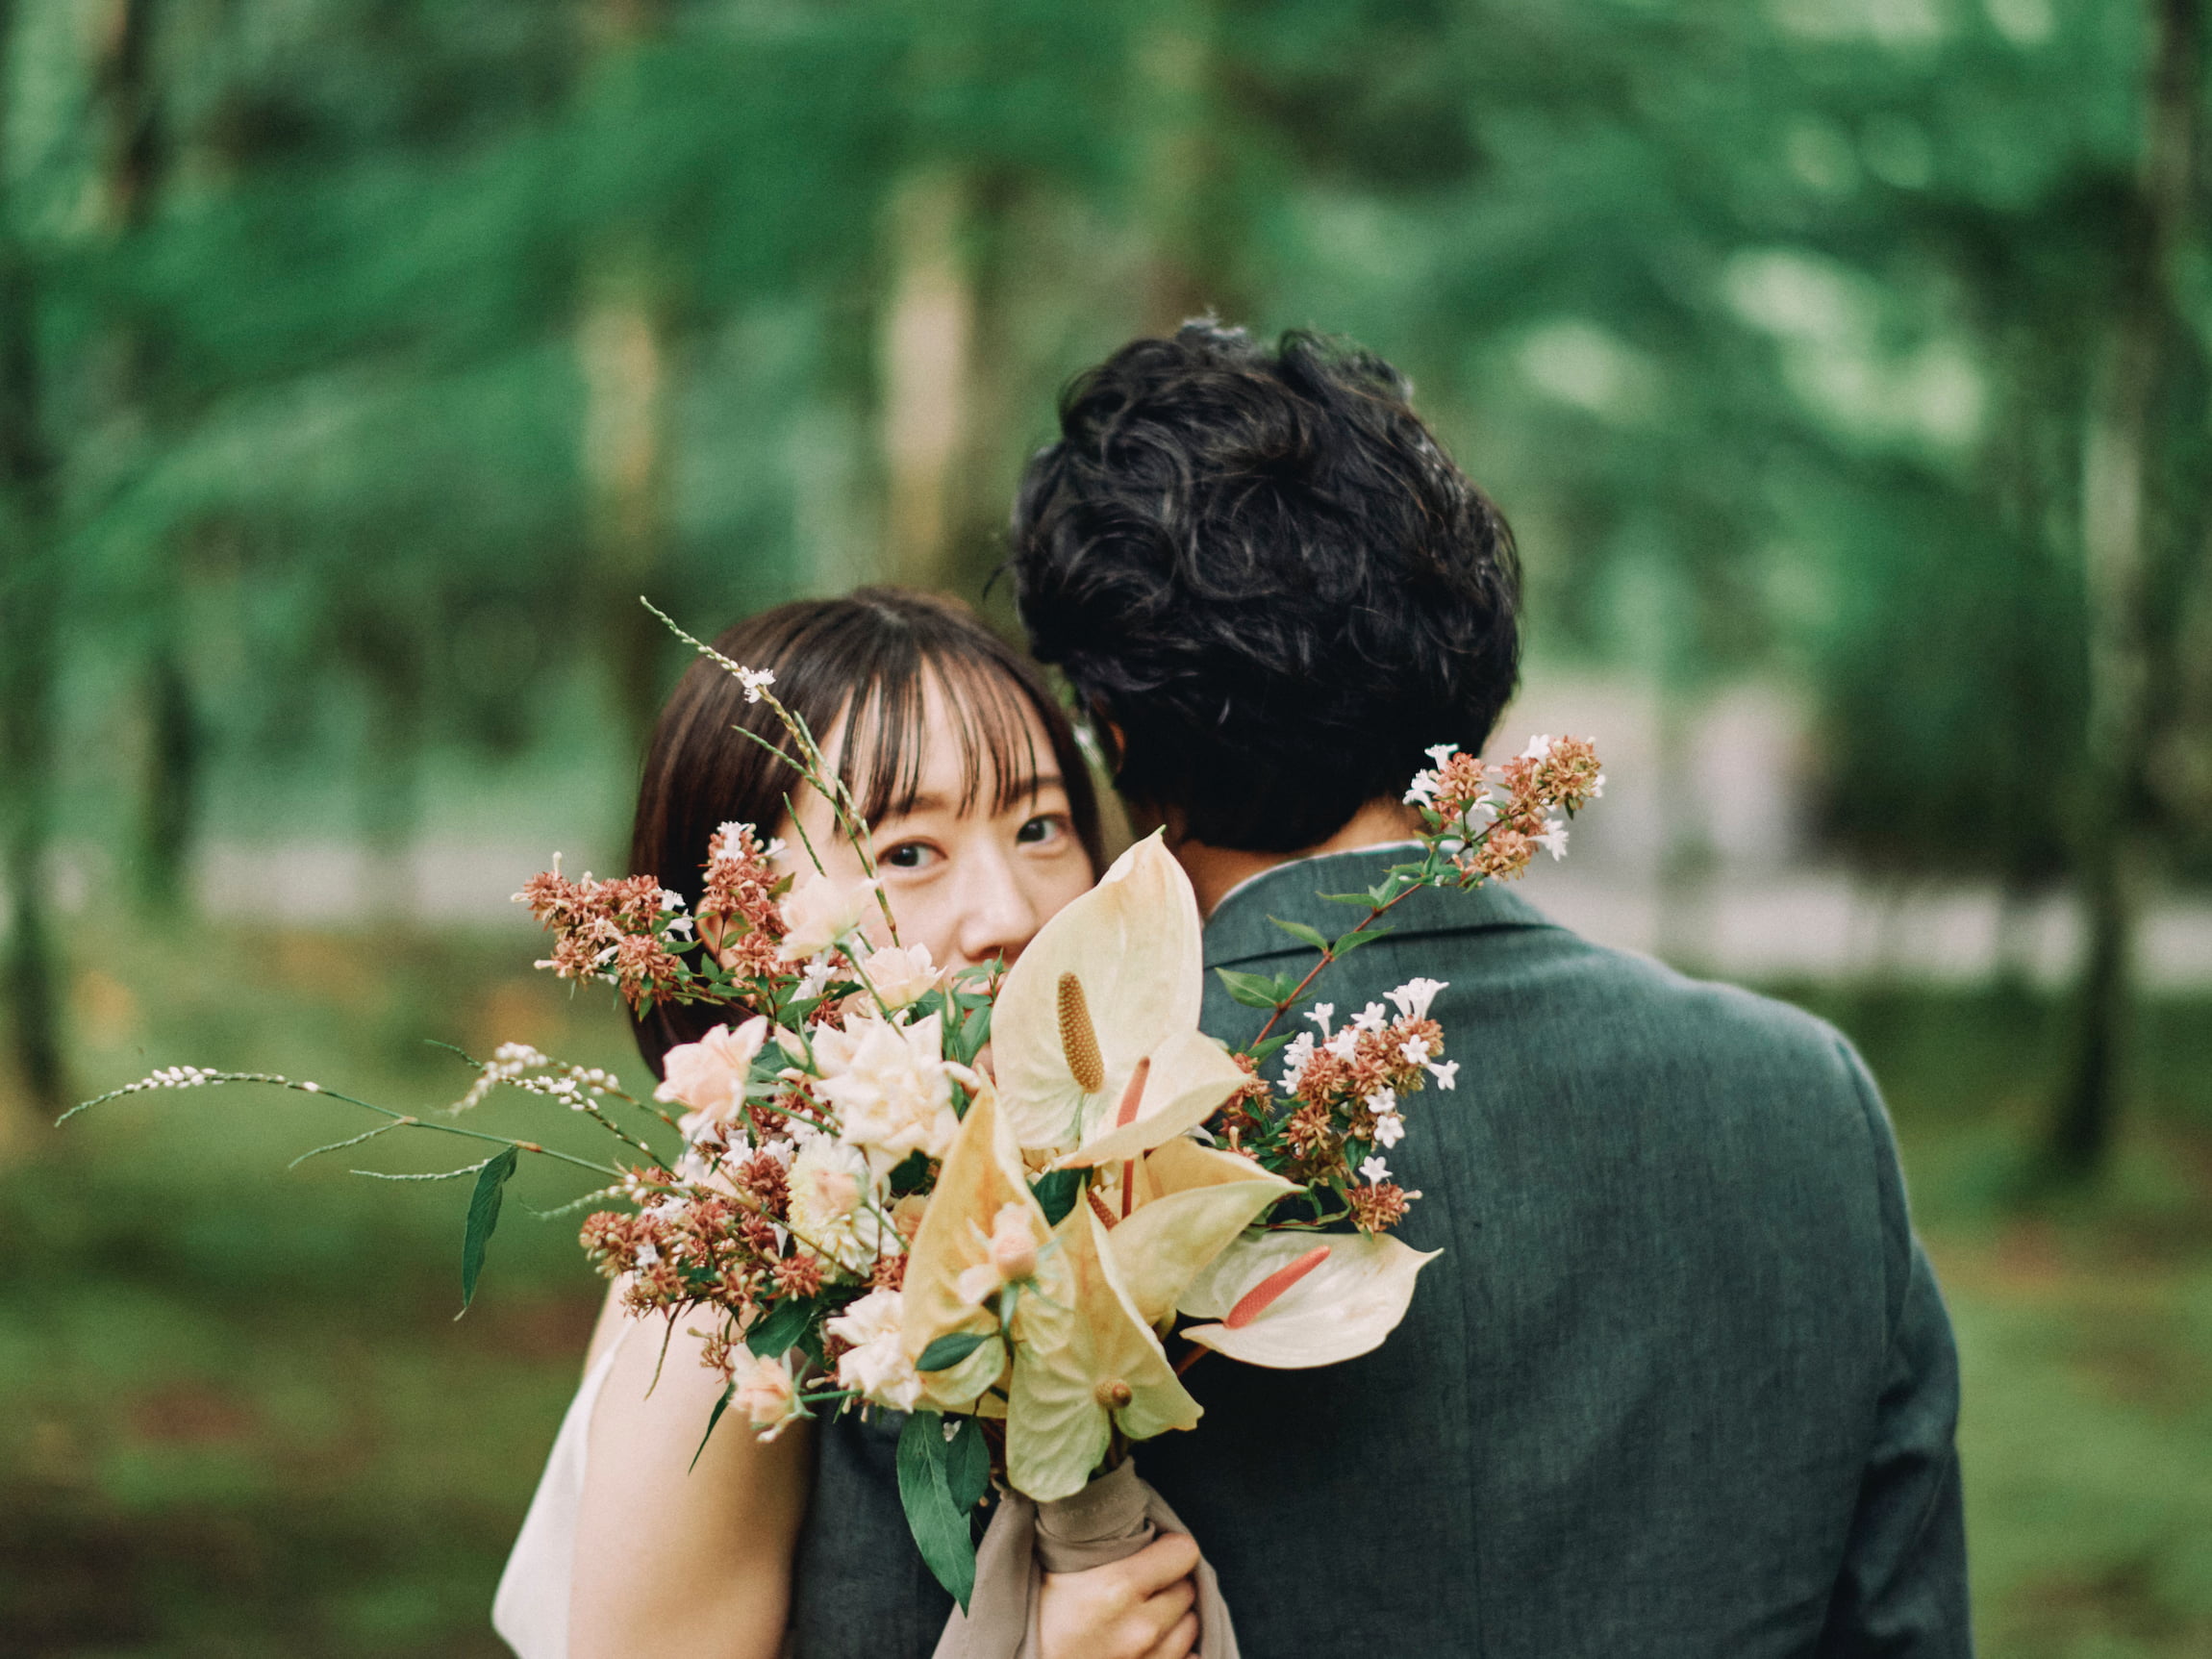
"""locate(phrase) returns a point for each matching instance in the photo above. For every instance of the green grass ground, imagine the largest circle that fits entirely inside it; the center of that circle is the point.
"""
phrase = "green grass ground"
(237, 1419)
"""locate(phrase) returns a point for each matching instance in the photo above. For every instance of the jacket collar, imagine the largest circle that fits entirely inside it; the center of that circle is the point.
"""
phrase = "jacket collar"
(1240, 929)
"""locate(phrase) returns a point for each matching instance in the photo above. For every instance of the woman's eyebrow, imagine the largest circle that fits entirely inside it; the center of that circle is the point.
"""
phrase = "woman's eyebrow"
(1028, 789)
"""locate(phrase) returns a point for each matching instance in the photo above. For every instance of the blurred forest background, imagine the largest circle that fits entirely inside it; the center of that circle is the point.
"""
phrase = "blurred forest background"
(1843, 366)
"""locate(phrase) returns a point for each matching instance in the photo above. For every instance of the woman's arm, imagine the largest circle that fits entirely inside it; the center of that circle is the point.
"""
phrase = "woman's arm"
(677, 1561)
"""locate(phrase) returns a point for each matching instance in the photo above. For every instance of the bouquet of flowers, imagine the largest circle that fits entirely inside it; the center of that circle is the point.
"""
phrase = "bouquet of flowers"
(990, 1198)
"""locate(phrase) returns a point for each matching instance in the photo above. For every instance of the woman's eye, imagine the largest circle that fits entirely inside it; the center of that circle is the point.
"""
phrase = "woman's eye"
(909, 855)
(1044, 827)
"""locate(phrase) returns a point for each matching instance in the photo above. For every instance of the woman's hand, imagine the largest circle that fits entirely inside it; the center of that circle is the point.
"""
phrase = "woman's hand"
(1139, 1608)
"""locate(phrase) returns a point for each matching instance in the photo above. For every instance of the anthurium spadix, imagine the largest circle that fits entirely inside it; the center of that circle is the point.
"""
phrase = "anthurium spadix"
(1094, 1037)
(952, 1267)
(1293, 1300)
(1084, 1362)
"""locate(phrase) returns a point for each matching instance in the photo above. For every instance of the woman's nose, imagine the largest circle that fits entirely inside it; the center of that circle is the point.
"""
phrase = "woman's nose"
(997, 918)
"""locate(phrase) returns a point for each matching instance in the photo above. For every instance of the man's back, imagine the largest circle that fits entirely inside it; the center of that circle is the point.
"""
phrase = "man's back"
(1680, 1384)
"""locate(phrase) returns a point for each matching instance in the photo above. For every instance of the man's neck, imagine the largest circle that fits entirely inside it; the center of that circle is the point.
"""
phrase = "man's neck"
(1215, 870)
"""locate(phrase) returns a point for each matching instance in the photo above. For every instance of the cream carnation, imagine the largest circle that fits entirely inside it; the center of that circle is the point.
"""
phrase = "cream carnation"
(763, 1391)
(820, 912)
(709, 1075)
(829, 1214)
(889, 1087)
(877, 1364)
(901, 976)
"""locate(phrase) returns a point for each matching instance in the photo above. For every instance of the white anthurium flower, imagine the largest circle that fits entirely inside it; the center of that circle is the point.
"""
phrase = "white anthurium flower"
(1293, 1299)
(1189, 1204)
(982, 1179)
(1085, 1362)
(1096, 1038)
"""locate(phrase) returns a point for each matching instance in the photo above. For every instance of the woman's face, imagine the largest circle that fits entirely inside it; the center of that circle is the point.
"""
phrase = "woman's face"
(970, 885)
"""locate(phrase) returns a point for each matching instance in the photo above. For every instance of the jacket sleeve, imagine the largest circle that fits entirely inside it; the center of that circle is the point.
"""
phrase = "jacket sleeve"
(1901, 1590)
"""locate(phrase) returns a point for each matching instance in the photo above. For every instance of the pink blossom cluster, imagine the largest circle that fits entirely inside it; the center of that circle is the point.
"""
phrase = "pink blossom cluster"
(1347, 1088)
(618, 931)
(1487, 837)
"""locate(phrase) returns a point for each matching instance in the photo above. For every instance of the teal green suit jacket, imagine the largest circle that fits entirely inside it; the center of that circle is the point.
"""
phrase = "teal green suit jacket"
(1680, 1387)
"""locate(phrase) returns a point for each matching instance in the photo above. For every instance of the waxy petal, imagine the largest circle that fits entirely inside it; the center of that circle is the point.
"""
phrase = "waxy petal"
(982, 1172)
(1133, 942)
(1190, 1076)
(1205, 1200)
(1340, 1309)
(1078, 1338)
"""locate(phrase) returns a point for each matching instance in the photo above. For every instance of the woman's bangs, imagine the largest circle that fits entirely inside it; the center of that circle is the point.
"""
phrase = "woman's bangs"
(984, 712)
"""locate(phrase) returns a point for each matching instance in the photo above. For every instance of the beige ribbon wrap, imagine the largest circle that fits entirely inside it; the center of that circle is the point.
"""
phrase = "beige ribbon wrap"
(1110, 1520)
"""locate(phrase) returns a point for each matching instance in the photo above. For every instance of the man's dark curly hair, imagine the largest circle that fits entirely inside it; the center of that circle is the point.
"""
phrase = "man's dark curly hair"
(1261, 568)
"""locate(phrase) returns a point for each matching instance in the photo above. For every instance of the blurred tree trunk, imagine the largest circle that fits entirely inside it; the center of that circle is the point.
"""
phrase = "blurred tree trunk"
(927, 351)
(2116, 529)
(133, 170)
(623, 349)
(31, 593)
(1191, 200)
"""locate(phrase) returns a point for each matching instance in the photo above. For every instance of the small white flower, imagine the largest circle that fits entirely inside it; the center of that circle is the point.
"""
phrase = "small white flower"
(1446, 1072)
(1441, 753)
(1596, 785)
(1414, 1049)
(756, 681)
(1382, 1100)
(1390, 1128)
(813, 982)
(1320, 1014)
(1423, 793)
(1345, 1043)
(680, 928)
(1295, 1054)
(733, 834)
(1413, 997)
(1374, 1171)
(1554, 837)
(1369, 1019)
(1539, 749)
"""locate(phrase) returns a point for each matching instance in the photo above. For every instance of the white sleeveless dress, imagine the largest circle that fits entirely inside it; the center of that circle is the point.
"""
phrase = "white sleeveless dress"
(530, 1610)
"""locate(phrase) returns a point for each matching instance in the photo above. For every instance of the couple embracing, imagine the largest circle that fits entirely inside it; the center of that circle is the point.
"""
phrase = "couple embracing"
(1682, 1384)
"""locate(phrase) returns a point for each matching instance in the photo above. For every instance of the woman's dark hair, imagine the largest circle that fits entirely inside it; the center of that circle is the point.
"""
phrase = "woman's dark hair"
(1258, 566)
(867, 657)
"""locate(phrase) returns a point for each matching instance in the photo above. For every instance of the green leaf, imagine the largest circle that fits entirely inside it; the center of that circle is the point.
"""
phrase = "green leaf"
(1252, 990)
(1364, 900)
(483, 1216)
(729, 1389)
(774, 1334)
(1358, 937)
(968, 1466)
(1301, 932)
(910, 1174)
(1057, 1191)
(975, 1030)
(940, 1528)
(948, 1352)
(1261, 1053)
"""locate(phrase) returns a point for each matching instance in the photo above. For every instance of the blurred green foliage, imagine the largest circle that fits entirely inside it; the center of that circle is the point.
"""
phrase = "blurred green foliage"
(360, 361)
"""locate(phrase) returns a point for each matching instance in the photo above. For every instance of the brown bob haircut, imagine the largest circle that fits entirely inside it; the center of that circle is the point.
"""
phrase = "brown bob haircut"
(865, 660)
